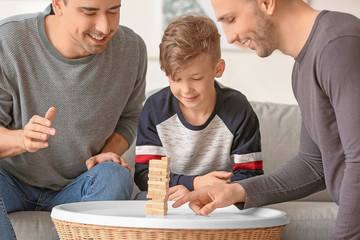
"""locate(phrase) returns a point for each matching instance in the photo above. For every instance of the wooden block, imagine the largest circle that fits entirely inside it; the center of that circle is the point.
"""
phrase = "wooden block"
(161, 178)
(158, 183)
(166, 159)
(159, 171)
(159, 201)
(159, 164)
(158, 189)
(154, 194)
(152, 211)
(158, 186)
(157, 195)
(157, 204)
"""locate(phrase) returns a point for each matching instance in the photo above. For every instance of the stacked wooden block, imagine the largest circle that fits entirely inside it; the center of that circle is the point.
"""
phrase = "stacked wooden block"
(158, 186)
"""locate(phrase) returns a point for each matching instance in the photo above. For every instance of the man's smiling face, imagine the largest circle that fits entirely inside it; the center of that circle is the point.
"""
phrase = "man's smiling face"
(246, 25)
(90, 24)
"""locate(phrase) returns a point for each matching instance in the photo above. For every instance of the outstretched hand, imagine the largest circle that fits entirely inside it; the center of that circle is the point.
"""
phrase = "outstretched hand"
(38, 130)
(206, 199)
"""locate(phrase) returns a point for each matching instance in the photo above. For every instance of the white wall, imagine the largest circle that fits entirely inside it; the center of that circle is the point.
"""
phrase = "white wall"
(259, 79)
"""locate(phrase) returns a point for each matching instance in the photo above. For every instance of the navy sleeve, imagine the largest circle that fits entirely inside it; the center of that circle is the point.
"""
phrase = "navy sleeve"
(187, 181)
(142, 172)
(141, 175)
(241, 174)
(246, 148)
(148, 143)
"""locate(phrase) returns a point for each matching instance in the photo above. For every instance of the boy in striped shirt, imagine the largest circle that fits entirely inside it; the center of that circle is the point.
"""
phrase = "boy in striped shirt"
(210, 132)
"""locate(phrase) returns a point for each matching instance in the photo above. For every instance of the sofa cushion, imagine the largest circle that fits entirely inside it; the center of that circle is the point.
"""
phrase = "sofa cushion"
(33, 225)
(308, 220)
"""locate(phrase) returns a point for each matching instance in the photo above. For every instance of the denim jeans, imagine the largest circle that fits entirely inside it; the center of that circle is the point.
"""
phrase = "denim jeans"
(105, 181)
(6, 230)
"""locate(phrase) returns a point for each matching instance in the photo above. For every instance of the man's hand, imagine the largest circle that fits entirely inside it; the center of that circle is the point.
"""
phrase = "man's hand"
(177, 192)
(106, 157)
(206, 199)
(216, 177)
(38, 130)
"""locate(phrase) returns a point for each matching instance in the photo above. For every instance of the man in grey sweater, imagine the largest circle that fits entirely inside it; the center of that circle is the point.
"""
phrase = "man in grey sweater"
(326, 84)
(72, 83)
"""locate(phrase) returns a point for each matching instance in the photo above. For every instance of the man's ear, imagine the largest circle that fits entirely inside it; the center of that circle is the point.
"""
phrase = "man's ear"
(58, 6)
(268, 6)
(219, 68)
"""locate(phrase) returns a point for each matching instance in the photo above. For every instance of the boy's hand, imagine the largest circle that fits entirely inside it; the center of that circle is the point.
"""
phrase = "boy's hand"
(38, 130)
(177, 192)
(216, 177)
(106, 157)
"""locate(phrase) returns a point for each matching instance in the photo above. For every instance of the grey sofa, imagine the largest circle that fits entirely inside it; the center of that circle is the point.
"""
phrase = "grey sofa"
(311, 218)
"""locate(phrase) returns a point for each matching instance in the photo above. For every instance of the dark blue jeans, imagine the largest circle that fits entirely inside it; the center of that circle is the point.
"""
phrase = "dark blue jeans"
(105, 181)
(6, 230)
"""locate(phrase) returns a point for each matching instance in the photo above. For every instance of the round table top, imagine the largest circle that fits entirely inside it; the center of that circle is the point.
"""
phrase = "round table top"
(132, 214)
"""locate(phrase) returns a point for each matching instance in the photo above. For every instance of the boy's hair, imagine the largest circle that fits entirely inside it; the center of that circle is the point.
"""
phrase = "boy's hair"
(185, 38)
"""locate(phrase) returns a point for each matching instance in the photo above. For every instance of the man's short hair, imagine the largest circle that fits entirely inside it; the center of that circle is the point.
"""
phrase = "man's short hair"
(186, 38)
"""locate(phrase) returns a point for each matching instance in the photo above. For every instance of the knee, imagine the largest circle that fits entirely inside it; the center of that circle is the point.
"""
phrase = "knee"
(111, 170)
(116, 178)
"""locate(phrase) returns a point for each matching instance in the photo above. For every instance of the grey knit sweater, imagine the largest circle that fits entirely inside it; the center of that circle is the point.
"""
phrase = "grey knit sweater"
(95, 96)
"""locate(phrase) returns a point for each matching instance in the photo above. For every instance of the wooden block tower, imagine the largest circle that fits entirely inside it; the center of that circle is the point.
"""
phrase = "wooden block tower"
(158, 186)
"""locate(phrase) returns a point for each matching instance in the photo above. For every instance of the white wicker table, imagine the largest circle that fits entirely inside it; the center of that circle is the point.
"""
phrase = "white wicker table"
(127, 220)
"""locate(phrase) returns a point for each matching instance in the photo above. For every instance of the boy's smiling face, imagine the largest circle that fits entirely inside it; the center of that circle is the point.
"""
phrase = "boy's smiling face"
(194, 86)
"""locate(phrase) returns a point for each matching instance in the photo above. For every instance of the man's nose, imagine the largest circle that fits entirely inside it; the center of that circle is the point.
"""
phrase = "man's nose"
(103, 24)
(231, 37)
